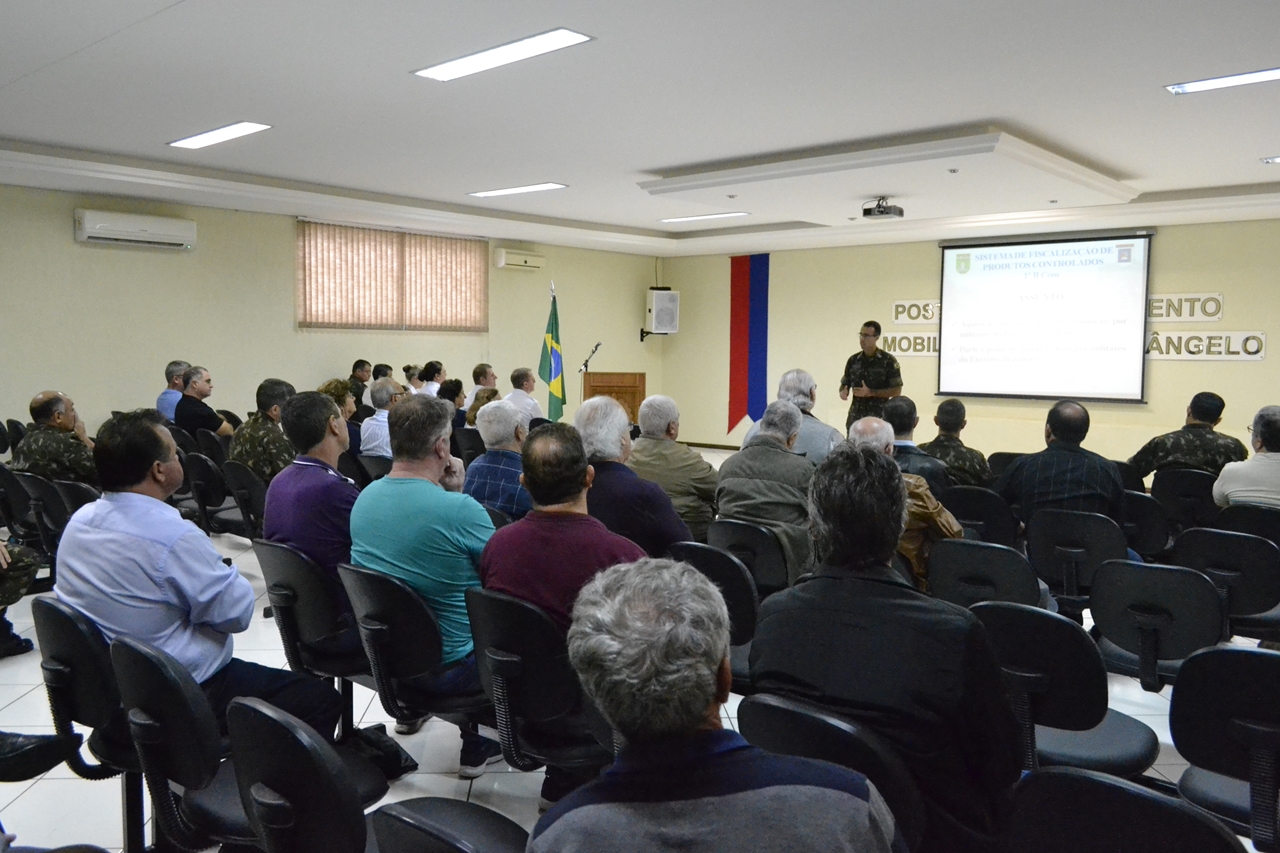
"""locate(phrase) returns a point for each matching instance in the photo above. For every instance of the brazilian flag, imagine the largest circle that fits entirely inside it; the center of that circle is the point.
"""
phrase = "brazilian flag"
(551, 367)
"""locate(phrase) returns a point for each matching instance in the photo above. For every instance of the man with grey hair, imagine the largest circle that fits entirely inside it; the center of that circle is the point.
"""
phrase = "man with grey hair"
(650, 642)
(375, 437)
(494, 478)
(523, 381)
(687, 478)
(766, 483)
(816, 439)
(1256, 480)
(857, 638)
(172, 393)
(624, 503)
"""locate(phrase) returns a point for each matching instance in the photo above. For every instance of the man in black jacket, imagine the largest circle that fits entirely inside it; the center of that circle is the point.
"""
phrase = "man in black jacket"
(901, 414)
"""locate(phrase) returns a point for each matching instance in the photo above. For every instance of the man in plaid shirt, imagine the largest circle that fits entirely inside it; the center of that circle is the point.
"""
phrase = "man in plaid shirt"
(494, 479)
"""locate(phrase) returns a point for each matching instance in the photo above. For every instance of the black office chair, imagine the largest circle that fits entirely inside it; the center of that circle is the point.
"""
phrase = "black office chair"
(1065, 548)
(230, 417)
(16, 432)
(377, 466)
(51, 515)
(1187, 494)
(1000, 460)
(1057, 686)
(1246, 571)
(1065, 810)
(298, 797)
(965, 572)
(984, 512)
(791, 727)
(4, 440)
(740, 597)
(15, 510)
(249, 492)
(349, 466)
(470, 445)
(758, 549)
(210, 445)
(1225, 720)
(543, 717)
(216, 506)
(1255, 520)
(30, 756)
(81, 685)
(186, 441)
(1129, 477)
(308, 610)
(1148, 618)
(76, 495)
(499, 518)
(1146, 524)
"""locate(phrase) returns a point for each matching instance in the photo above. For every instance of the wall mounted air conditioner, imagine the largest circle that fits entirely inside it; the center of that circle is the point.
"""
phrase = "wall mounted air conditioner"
(512, 258)
(131, 229)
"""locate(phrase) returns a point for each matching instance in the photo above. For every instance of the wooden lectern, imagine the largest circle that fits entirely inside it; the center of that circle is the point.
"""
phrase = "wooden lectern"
(626, 388)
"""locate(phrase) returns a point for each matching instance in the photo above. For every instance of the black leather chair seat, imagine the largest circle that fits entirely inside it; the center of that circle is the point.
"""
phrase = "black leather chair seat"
(564, 742)
(112, 745)
(230, 521)
(1122, 662)
(740, 664)
(215, 810)
(338, 666)
(400, 826)
(1259, 626)
(1225, 797)
(1118, 746)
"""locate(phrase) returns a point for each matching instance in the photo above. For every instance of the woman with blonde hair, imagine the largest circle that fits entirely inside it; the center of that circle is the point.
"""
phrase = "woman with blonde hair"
(484, 395)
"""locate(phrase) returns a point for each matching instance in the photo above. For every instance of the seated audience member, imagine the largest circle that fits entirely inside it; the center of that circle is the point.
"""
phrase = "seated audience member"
(380, 371)
(361, 374)
(1254, 481)
(650, 642)
(451, 390)
(339, 390)
(687, 478)
(816, 438)
(523, 381)
(192, 412)
(1064, 475)
(547, 557)
(136, 568)
(172, 393)
(483, 377)
(494, 478)
(900, 413)
(58, 448)
(1197, 445)
(412, 382)
(432, 374)
(438, 554)
(965, 466)
(309, 502)
(375, 440)
(482, 398)
(927, 520)
(259, 443)
(855, 637)
(624, 503)
(766, 484)
(18, 566)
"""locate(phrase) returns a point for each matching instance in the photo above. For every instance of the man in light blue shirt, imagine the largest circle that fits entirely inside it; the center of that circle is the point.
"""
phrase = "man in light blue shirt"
(816, 439)
(167, 402)
(375, 440)
(137, 569)
(438, 554)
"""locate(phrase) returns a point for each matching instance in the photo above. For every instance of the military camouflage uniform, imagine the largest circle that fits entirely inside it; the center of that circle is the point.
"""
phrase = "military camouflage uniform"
(1193, 446)
(14, 580)
(879, 372)
(55, 454)
(966, 466)
(260, 444)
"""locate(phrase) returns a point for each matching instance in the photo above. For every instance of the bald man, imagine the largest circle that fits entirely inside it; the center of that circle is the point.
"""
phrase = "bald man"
(58, 448)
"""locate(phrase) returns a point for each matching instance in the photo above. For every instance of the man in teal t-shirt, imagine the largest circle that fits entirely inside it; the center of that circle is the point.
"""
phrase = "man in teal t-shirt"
(438, 554)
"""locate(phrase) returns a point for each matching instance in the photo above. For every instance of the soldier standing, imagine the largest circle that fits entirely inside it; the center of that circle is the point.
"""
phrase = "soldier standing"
(965, 466)
(259, 443)
(871, 375)
(1197, 445)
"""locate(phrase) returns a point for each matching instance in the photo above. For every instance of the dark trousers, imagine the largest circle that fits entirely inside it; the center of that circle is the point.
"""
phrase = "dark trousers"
(458, 677)
(309, 699)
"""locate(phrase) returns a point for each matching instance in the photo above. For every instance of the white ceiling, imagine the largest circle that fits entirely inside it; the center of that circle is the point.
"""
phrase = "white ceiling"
(90, 93)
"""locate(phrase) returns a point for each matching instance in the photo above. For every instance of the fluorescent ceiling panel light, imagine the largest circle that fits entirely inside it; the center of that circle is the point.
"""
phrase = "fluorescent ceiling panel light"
(1225, 82)
(532, 188)
(222, 134)
(503, 55)
(704, 216)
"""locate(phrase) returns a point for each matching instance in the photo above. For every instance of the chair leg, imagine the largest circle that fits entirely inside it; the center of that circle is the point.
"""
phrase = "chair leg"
(347, 724)
(132, 816)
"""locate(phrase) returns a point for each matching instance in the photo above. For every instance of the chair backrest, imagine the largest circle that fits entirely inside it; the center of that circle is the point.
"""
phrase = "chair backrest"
(1244, 568)
(1066, 810)
(210, 446)
(377, 466)
(1000, 460)
(230, 417)
(16, 501)
(1187, 494)
(1129, 477)
(758, 549)
(76, 495)
(1065, 547)
(52, 505)
(76, 661)
(285, 769)
(1146, 523)
(982, 511)
(249, 491)
(350, 467)
(790, 727)
(16, 431)
(546, 685)
(394, 619)
(183, 733)
(470, 445)
(287, 569)
(4, 441)
(727, 572)
(186, 441)
(498, 517)
(1261, 521)
(965, 572)
(207, 484)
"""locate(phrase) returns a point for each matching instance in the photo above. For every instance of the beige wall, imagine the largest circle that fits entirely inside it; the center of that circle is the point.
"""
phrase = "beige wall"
(819, 297)
(101, 322)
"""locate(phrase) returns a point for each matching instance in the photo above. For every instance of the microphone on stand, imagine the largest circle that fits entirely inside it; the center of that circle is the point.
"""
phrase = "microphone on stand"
(583, 369)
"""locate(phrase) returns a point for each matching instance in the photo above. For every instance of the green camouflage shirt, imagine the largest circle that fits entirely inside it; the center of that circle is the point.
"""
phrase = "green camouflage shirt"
(965, 466)
(880, 371)
(260, 445)
(55, 454)
(1193, 446)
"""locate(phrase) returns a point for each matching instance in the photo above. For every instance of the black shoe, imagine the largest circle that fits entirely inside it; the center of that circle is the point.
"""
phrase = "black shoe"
(14, 645)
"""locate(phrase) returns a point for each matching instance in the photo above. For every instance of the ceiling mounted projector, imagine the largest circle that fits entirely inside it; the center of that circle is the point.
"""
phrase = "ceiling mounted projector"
(881, 209)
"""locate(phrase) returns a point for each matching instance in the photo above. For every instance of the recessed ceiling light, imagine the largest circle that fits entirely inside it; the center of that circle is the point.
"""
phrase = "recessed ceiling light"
(704, 216)
(222, 134)
(503, 55)
(531, 188)
(1225, 82)
(1271, 160)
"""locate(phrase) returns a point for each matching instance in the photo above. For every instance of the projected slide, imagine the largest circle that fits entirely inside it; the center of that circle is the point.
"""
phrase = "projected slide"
(1063, 319)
